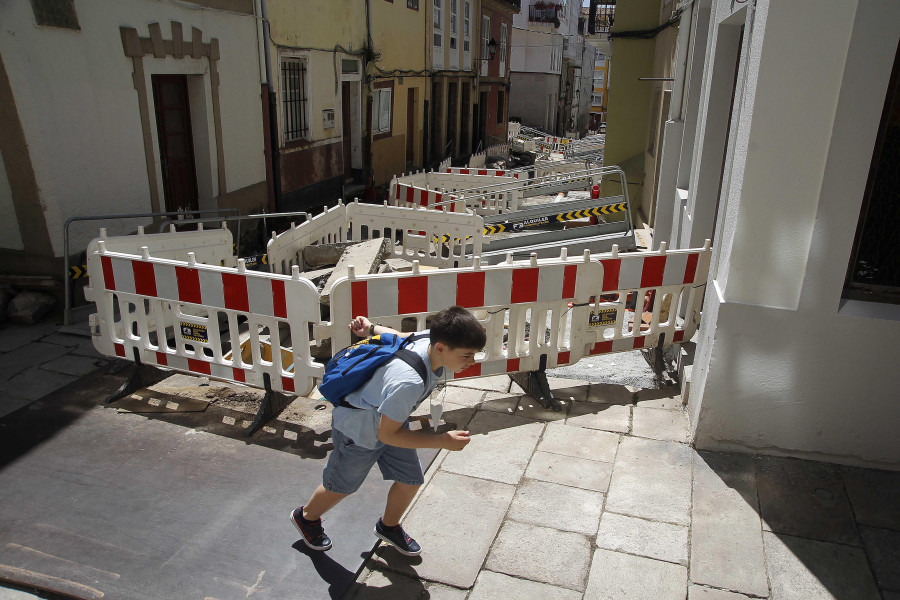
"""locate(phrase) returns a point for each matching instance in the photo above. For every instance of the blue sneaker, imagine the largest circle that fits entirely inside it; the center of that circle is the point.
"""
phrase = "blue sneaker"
(313, 534)
(399, 539)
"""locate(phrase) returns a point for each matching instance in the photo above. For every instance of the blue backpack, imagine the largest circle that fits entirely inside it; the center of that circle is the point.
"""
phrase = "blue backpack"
(352, 367)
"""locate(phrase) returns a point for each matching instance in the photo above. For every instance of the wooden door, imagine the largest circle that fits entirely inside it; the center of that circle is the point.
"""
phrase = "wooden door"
(176, 144)
(346, 128)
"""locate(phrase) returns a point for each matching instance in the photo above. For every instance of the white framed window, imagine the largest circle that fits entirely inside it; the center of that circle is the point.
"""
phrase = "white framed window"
(438, 41)
(294, 99)
(381, 110)
(453, 16)
(467, 26)
(503, 35)
(485, 40)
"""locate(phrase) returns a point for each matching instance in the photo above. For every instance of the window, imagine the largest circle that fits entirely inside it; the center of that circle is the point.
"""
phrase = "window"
(874, 270)
(414, 4)
(349, 66)
(381, 111)
(485, 38)
(438, 38)
(453, 14)
(55, 13)
(294, 99)
(467, 26)
(503, 49)
(501, 105)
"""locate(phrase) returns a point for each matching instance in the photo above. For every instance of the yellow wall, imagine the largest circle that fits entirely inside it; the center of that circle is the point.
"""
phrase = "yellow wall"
(398, 33)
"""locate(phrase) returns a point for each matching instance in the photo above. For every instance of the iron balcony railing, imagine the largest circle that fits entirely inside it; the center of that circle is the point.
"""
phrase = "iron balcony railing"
(544, 13)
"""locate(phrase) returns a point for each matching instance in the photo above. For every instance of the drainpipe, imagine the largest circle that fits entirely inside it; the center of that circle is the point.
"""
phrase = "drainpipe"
(273, 106)
(367, 140)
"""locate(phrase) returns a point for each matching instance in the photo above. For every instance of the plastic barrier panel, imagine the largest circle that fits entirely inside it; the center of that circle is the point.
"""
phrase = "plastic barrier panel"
(554, 311)
(210, 246)
(207, 320)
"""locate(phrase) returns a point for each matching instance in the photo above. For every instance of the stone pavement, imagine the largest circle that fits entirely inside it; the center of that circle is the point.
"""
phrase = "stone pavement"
(40, 359)
(606, 500)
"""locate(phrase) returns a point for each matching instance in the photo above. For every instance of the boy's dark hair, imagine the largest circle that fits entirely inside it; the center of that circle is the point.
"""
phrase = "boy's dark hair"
(457, 328)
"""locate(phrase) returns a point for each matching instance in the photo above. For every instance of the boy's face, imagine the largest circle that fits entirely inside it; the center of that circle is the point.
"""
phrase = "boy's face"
(457, 359)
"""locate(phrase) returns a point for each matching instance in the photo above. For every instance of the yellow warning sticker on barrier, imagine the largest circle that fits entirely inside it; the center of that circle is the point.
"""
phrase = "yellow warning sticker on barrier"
(78, 271)
(252, 262)
(602, 317)
(193, 331)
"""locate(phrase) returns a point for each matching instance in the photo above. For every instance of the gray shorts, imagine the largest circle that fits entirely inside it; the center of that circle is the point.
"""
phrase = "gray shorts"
(349, 464)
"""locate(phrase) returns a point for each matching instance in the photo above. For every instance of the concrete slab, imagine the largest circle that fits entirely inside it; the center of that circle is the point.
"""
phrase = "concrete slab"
(659, 424)
(458, 395)
(64, 339)
(500, 448)
(573, 509)
(800, 569)
(606, 417)
(494, 383)
(579, 442)
(385, 584)
(883, 548)
(75, 366)
(28, 356)
(573, 390)
(617, 576)
(364, 257)
(607, 393)
(666, 398)
(10, 404)
(571, 471)
(726, 533)
(874, 495)
(497, 586)
(560, 558)
(661, 541)
(34, 383)
(651, 480)
(442, 520)
(696, 592)
(13, 594)
(500, 402)
(805, 499)
(15, 336)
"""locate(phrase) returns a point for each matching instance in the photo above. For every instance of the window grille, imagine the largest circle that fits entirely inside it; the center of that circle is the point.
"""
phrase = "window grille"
(294, 99)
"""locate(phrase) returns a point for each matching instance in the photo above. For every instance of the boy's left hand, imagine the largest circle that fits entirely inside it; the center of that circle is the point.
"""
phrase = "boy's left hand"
(360, 327)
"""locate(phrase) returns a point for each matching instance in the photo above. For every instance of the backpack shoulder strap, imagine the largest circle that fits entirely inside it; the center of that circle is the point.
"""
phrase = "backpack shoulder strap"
(413, 360)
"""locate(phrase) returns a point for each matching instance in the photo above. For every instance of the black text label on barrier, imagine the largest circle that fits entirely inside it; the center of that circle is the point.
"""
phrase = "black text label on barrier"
(192, 331)
(602, 317)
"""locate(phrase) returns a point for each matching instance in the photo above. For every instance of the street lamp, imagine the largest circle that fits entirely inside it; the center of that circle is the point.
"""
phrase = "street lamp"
(492, 51)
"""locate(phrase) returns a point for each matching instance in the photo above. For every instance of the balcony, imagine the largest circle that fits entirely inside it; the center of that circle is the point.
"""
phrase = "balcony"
(603, 19)
(546, 12)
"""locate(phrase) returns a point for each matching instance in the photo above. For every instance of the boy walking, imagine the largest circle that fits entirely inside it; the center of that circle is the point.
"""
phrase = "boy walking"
(371, 426)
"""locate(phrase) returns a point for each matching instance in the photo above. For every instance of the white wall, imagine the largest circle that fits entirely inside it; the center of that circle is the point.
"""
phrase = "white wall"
(79, 109)
(784, 366)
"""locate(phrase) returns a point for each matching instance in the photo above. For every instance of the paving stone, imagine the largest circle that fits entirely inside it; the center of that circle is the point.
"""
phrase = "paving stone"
(453, 417)
(497, 586)
(494, 383)
(607, 393)
(500, 447)
(659, 424)
(442, 520)
(579, 442)
(568, 470)
(617, 576)
(804, 498)
(661, 541)
(666, 398)
(651, 479)
(557, 506)
(11, 594)
(383, 584)
(593, 415)
(15, 336)
(34, 383)
(31, 355)
(874, 495)
(64, 339)
(883, 549)
(503, 402)
(10, 404)
(800, 569)
(572, 390)
(726, 533)
(534, 553)
(696, 592)
(531, 409)
(72, 365)
(87, 349)
(458, 395)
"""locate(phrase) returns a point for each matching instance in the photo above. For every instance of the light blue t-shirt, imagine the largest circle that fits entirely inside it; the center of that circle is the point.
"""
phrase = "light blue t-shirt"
(395, 390)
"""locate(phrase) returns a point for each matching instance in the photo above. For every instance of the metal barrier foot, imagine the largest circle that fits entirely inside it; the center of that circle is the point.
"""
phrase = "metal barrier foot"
(536, 385)
(272, 405)
(141, 376)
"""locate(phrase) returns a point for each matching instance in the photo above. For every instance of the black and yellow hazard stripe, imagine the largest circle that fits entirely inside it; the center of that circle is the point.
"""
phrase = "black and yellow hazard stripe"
(606, 209)
(597, 211)
(78, 271)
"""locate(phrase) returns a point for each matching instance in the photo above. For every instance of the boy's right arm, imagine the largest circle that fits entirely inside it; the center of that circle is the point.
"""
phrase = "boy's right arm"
(394, 434)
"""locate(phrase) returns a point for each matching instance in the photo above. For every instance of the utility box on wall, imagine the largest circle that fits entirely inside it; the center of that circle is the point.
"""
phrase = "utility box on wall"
(328, 118)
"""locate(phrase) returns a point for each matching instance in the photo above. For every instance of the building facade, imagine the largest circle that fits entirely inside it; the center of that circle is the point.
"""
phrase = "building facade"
(129, 107)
